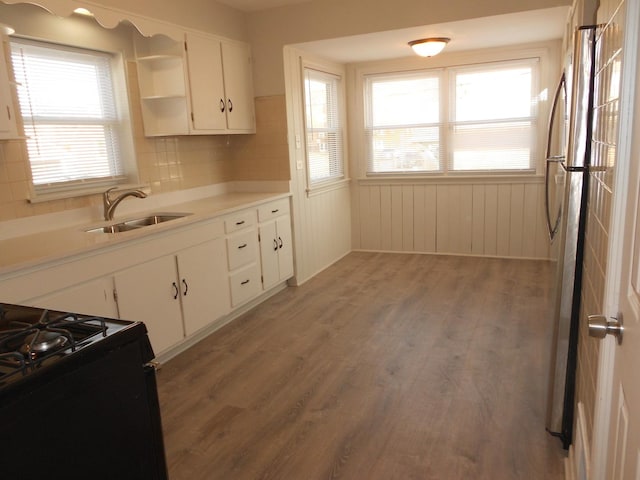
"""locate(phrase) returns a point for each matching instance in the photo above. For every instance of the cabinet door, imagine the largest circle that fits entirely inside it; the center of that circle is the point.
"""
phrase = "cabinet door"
(285, 247)
(8, 127)
(269, 254)
(91, 298)
(208, 101)
(149, 293)
(203, 283)
(238, 84)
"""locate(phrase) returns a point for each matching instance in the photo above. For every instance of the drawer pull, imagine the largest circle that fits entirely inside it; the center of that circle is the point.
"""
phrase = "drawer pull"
(175, 289)
(242, 246)
(245, 282)
(280, 240)
(186, 287)
(275, 211)
(275, 245)
(241, 222)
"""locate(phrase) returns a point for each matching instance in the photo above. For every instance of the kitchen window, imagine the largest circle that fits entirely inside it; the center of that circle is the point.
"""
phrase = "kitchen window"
(468, 119)
(323, 127)
(70, 111)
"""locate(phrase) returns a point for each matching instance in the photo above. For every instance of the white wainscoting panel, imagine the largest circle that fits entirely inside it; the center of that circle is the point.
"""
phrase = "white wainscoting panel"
(502, 218)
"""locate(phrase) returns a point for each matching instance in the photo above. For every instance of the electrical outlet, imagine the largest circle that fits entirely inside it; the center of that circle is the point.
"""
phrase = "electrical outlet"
(299, 165)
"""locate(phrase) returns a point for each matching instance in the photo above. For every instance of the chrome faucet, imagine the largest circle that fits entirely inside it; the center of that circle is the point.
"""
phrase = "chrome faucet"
(110, 204)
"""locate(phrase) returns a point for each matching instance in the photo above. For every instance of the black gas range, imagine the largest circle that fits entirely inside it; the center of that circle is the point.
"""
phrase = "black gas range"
(78, 397)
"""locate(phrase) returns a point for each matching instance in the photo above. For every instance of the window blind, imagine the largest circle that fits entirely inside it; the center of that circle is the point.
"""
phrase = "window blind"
(493, 117)
(67, 103)
(404, 127)
(323, 127)
(482, 120)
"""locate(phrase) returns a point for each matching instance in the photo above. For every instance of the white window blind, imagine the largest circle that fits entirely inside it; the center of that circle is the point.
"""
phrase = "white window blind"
(404, 123)
(68, 107)
(493, 117)
(323, 126)
(482, 120)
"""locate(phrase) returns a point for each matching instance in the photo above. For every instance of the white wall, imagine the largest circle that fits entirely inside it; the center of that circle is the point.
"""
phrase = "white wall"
(321, 218)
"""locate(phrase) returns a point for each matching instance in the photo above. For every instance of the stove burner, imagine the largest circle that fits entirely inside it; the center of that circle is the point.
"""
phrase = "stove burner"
(43, 341)
(33, 338)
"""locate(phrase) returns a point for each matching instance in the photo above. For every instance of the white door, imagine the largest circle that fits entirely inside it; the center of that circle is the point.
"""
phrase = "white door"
(616, 443)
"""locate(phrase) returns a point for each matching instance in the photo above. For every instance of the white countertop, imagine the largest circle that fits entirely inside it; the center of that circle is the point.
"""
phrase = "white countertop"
(31, 250)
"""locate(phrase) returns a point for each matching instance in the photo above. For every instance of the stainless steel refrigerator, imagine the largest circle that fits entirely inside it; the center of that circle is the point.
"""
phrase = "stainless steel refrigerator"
(567, 184)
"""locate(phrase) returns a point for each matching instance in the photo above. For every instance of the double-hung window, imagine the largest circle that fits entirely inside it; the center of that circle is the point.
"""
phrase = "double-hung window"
(68, 106)
(323, 127)
(404, 126)
(468, 119)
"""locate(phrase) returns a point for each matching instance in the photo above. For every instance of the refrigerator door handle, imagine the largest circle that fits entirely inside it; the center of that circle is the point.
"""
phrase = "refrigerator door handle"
(561, 88)
(555, 225)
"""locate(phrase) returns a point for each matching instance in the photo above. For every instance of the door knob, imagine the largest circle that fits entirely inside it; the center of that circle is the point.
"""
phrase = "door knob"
(600, 326)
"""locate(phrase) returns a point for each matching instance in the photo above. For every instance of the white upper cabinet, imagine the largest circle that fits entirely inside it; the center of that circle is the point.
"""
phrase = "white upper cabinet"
(8, 126)
(162, 84)
(201, 86)
(221, 85)
(238, 86)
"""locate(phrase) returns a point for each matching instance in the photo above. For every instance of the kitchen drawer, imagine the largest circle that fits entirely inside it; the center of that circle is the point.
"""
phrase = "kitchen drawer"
(242, 248)
(240, 220)
(245, 284)
(273, 209)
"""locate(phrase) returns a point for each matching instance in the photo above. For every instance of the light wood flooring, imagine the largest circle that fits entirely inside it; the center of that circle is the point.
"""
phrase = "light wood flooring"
(384, 366)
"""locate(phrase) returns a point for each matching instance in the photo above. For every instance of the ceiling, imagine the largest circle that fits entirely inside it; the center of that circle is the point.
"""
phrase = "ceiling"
(486, 32)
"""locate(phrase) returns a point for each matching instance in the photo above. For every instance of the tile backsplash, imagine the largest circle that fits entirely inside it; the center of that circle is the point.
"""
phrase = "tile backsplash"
(169, 163)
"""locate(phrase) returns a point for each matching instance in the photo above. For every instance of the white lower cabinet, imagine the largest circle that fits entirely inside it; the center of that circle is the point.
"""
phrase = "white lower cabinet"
(242, 252)
(149, 293)
(92, 298)
(276, 251)
(204, 288)
(176, 295)
(177, 282)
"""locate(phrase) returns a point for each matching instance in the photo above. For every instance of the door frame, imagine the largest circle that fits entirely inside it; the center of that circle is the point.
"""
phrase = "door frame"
(606, 359)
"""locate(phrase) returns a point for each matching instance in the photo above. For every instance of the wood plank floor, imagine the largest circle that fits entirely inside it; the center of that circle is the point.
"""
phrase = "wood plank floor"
(384, 366)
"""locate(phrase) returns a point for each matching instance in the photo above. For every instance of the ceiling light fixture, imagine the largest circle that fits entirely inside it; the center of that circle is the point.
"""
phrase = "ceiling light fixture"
(428, 47)
(6, 29)
(83, 11)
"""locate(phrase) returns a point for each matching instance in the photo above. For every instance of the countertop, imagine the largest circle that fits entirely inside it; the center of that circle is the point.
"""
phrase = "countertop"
(53, 245)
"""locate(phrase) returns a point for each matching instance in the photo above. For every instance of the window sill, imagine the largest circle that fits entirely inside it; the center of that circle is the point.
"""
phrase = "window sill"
(82, 192)
(327, 187)
(404, 179)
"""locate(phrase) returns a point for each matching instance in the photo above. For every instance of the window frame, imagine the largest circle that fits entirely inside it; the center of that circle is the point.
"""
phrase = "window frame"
(532, 56)
(340, 128)
(121, 125)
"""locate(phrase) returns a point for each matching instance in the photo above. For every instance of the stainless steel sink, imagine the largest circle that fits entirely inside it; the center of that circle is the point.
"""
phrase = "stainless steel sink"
(153, 219)
(137, 223)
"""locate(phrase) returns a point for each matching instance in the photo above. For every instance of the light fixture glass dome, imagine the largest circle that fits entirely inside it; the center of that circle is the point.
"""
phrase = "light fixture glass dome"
(428, 47)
